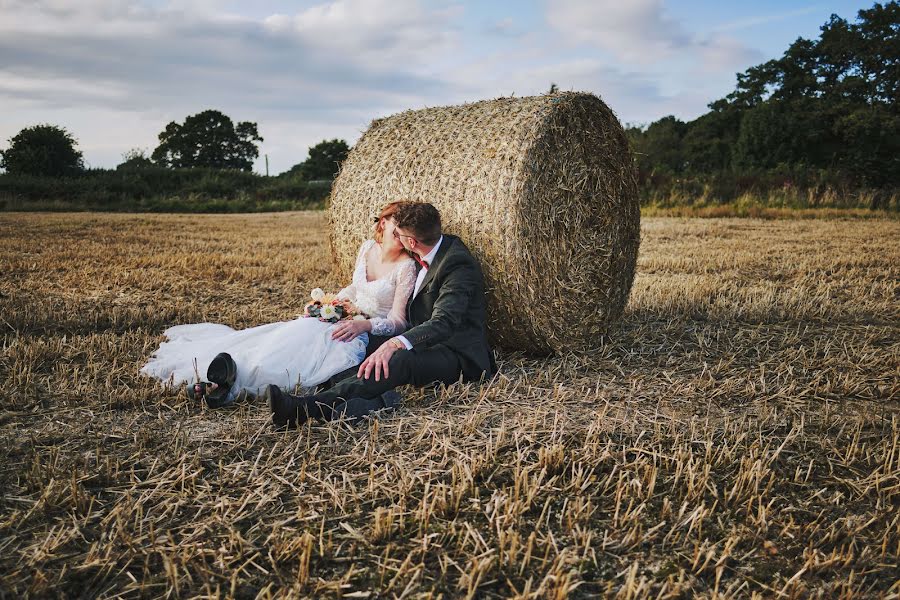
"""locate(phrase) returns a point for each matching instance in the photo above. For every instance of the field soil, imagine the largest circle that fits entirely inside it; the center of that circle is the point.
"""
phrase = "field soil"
(738, 435)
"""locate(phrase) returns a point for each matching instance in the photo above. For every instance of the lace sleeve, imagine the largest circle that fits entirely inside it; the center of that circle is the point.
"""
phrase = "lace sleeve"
(395, 322)
(349, 292)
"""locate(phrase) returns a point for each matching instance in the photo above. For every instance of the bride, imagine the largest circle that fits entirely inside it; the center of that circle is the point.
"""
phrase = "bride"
(304, 352)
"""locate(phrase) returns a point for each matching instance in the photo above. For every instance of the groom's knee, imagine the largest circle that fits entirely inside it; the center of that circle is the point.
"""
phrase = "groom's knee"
(400, 358)
(401, 363)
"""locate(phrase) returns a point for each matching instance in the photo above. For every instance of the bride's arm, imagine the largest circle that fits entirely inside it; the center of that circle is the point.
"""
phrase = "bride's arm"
(395, 322)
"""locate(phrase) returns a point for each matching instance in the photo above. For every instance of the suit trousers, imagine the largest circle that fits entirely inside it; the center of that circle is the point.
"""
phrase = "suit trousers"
(375, 341)
(437, 364)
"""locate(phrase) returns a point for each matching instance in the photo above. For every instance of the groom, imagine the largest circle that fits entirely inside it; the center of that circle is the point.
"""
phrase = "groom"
(447, 338)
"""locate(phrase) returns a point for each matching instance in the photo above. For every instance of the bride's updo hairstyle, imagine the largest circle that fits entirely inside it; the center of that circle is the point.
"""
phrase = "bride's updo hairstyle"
(388, 211)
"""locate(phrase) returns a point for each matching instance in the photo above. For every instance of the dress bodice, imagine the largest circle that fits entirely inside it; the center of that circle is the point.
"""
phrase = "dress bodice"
(384, 299)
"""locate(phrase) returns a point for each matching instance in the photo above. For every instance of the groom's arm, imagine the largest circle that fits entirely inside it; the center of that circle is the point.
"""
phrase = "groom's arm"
(449, 310)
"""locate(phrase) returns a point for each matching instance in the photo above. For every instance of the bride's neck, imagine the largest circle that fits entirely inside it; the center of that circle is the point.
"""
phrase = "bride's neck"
(389, 256)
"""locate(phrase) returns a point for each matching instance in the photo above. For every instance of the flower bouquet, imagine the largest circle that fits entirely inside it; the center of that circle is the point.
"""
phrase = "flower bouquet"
(330, 309)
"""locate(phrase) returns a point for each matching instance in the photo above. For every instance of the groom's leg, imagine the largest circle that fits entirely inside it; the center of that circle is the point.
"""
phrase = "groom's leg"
(419, 367)
(374, 342)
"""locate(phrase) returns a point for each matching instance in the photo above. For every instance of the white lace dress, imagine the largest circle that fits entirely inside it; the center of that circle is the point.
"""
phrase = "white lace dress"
(288, 353)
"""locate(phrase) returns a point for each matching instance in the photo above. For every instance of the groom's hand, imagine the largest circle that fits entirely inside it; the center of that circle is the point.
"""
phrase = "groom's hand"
(378, 361)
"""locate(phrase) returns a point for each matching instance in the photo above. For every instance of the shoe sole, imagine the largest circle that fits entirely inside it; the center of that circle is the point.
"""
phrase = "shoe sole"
(222, 370)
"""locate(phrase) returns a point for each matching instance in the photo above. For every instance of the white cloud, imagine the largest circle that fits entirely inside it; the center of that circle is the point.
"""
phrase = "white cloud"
(636, 31)
(504, 28)
(764, 19)
(634, 96)
(326, 55)
(720, 53)
(372, 32)
(640, 32)
(48, 89)
(114, 72)
(336, 65)
(99, 17)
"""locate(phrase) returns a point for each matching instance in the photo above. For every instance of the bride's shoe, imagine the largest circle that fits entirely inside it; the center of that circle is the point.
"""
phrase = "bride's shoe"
(222, 372)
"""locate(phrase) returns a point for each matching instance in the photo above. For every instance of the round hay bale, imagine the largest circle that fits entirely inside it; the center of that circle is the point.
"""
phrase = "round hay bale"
(543, 190)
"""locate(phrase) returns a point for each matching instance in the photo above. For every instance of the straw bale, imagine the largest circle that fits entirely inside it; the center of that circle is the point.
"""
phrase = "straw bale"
(543, 191)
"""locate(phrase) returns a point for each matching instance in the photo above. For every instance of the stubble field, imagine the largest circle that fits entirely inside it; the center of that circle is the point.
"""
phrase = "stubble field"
(737, 436)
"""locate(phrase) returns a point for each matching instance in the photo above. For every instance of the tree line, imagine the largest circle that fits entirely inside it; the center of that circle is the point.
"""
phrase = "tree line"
(201, 165)
(826, 109)
(209, 139)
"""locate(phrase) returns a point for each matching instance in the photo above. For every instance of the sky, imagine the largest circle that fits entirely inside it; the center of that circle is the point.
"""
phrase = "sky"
(115, 72)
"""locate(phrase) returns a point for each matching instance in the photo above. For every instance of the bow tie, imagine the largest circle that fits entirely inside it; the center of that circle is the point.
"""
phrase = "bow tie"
(423, 263)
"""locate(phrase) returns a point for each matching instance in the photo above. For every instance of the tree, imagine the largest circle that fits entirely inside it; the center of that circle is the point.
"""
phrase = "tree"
(828, 103)
(781, 132)
(871, 145)
(659, 146)
(324, 160)
(42, 150)
(861, 61)
(134, 159)
(856, 62)
(706, 146)
(208, 139)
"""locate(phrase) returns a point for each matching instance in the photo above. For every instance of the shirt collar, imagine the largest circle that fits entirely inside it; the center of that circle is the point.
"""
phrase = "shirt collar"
(429, 258)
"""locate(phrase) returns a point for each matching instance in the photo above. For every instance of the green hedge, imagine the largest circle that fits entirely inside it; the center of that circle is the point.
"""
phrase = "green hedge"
(777, 188)
(157, 189)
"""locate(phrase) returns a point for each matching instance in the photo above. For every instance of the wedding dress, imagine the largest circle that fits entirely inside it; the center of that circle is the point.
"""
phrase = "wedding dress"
(288, 353)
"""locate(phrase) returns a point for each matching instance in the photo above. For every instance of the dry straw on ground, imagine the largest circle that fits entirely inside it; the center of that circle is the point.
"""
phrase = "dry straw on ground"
(542, 189)
(738, 436)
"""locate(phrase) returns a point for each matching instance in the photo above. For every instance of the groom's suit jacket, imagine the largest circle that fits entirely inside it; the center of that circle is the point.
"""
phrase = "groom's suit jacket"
(450, 309)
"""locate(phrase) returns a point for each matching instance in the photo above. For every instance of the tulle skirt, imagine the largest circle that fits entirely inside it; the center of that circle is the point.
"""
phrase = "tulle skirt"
(287, 354)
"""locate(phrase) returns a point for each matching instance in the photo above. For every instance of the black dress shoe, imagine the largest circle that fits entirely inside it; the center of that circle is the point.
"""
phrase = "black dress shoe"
(287, 411)
(391, 398)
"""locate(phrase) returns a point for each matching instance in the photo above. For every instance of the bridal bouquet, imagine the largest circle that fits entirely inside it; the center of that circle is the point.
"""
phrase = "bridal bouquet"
(330, 309)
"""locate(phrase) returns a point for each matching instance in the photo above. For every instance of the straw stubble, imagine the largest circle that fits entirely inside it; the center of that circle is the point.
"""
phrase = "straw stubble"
(738, 437)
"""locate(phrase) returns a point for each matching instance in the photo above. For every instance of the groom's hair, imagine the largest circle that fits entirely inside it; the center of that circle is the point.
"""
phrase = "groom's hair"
(421, 220)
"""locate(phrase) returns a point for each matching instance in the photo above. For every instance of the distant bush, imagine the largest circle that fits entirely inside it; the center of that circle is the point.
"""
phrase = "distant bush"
(783, 187)
(42, 150)
(157, 189)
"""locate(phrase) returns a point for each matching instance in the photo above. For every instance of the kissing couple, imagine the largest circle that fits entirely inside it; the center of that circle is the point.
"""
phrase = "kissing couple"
(418, 297)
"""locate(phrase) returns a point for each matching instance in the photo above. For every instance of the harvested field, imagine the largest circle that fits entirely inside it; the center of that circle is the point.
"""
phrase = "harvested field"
(738, 435)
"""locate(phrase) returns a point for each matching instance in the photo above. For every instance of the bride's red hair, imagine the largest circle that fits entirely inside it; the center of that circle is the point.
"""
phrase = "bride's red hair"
(386, 212)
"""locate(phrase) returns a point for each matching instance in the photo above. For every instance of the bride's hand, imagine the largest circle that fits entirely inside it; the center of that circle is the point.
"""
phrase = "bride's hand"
(349, 307)
(345, 331)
